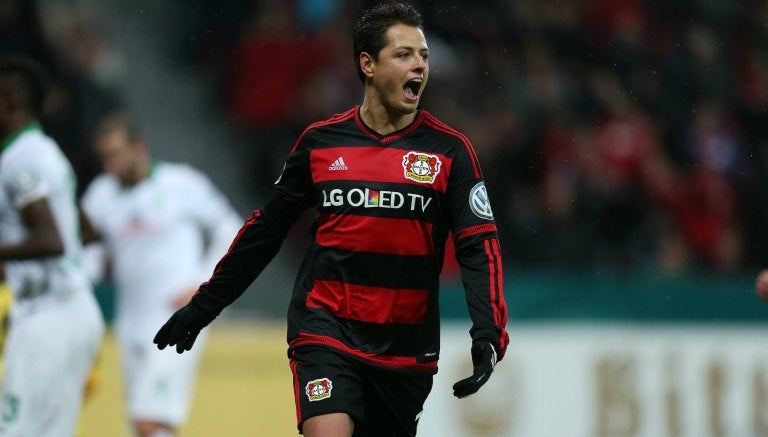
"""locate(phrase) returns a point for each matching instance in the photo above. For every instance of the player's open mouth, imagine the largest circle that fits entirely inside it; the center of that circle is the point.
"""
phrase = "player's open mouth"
(411, 88)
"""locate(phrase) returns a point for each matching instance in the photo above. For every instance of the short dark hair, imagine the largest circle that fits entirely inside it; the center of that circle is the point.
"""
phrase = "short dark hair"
(369, 32)
(120, 121)
(27, 80)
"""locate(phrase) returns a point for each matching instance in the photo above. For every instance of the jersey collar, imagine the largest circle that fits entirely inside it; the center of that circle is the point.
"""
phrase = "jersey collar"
(392, 136)
(33, 126)
(151, 171)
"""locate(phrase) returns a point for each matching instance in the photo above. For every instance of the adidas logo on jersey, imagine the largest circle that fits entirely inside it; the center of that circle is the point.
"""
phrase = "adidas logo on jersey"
(338, 164)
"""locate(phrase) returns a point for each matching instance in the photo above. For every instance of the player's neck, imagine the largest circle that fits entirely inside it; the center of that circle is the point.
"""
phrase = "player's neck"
(382, 120)
(141, 170)
(16, 123)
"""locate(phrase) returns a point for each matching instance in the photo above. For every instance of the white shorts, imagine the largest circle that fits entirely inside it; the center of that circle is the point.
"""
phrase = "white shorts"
(48, 355)
(159, 383)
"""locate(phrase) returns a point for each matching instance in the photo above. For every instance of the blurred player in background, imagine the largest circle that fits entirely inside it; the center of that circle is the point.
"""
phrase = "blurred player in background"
(6, 302)
(56, 325)
(761, 284)
(389, 183)
(163, 227)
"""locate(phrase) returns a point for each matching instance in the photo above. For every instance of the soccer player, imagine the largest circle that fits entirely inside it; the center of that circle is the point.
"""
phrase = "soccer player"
(761, 284)
(163, 226)
(389, 183)
(56, 325)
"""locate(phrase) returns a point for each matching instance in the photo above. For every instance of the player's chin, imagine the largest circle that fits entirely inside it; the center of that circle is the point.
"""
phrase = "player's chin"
(409, 105)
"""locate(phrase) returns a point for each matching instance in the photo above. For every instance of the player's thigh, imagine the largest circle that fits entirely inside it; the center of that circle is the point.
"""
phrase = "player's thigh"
(25, 377)
(331, 424)
(47, 358)
(394, 403)
(325, 382)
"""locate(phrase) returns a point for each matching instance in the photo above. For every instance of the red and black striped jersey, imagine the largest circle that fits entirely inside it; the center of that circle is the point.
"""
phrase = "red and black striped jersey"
(369, 283)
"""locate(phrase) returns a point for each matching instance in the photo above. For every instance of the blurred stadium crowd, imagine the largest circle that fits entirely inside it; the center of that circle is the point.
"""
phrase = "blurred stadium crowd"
(615, 134)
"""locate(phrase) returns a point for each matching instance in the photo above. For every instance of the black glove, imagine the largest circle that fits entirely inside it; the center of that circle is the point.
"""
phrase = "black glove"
(182, 328)
(483, 361)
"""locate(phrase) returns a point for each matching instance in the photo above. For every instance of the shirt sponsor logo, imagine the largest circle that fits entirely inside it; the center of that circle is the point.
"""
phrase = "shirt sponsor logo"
(368, 198)
(479, 203)
(338, 164)
(319, 389)
(421, 167)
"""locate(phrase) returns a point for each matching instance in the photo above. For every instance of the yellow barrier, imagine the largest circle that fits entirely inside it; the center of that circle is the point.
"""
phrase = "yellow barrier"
(244, 388)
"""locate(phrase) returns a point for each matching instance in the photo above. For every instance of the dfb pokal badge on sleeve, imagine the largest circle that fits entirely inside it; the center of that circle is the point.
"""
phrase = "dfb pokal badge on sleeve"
(479, 203)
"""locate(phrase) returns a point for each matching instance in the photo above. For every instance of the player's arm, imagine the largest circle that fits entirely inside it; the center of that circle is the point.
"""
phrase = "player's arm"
(254, 246)
(42, 238)
(479, 257)
(260, 238)
(88, 232)
(218, 221)
(478, 253)
(95, 253)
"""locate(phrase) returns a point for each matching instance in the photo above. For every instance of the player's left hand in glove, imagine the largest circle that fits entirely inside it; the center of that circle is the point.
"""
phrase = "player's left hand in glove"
(483, 360)
(182, 328)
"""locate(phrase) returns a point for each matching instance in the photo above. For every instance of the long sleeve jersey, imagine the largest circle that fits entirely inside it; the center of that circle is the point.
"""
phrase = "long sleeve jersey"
(33, 167)
(386, 204)
(163, 236)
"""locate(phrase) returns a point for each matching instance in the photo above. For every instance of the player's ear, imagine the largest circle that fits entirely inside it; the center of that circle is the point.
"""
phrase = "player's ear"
(367, 64)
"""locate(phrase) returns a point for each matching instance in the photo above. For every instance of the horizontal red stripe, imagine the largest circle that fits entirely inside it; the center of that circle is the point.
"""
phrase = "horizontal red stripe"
(384, 360)
(479, 229)
(369, 304)
(375, 234)
(375, 164)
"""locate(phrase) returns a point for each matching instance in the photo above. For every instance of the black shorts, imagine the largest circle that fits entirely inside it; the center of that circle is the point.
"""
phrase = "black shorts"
(381, 402)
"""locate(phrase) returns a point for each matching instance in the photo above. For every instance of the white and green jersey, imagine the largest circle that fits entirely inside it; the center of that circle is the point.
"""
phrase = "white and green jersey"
(33, 167)
(163, 235)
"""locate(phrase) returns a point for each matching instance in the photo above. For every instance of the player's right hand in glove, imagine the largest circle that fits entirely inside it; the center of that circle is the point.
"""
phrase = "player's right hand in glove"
(484, 360)
(182, 329)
